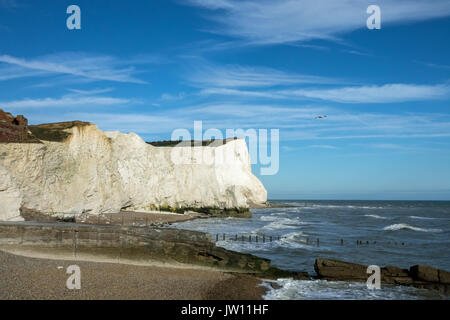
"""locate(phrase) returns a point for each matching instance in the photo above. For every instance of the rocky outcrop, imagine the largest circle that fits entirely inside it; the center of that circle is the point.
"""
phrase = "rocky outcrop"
(75, 168)
(13, 129)
(417, 276)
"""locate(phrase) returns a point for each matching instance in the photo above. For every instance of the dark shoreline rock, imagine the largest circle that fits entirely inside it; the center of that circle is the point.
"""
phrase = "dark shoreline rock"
(417, 276)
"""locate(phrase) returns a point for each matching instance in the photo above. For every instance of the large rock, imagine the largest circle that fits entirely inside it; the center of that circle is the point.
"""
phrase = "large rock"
(339, 270)
(76, 168)
(417, 276)
(425, 273)
(444, 276)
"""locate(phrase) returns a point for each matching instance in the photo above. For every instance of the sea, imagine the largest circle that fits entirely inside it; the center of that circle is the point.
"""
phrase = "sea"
(382, 233)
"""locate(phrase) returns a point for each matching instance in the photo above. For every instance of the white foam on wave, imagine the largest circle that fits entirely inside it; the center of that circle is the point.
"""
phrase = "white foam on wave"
(374, 216)
(422, 218)
(282, 223)
(293, 240)
(269, 218)
(404, 226)
(246, 246)
(298, 240)
(324, 290)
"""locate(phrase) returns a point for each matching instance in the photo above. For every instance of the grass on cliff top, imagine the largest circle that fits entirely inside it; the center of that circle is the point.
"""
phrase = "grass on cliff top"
(192, 143)
(55, 132)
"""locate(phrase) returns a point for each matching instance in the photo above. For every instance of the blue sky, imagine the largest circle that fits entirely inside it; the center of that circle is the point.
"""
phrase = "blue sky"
(154, 66)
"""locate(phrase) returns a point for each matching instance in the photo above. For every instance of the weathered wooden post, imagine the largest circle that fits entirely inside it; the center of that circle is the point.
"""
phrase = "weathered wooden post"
(249, 238)
(75, 240)
(256, 239)
(224, 237)
(217, 237)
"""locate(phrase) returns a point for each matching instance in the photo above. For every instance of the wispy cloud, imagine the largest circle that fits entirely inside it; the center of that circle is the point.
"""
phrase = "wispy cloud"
(322, 146)
(172, 97)
(286, 21)
(233, 76)
(80, 65)
(91, 92)
(388, 93)
(240, 93)
(434, 65)
(65, 101)
(9, 4)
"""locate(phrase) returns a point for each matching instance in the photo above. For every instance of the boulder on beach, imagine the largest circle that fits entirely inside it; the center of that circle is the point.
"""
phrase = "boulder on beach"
(417, 276)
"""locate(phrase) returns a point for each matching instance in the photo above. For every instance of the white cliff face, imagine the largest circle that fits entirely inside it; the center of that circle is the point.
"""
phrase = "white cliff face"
(102, 172)
(10, 198)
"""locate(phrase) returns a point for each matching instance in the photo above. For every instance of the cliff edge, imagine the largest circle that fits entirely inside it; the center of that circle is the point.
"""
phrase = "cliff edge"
(75, 168)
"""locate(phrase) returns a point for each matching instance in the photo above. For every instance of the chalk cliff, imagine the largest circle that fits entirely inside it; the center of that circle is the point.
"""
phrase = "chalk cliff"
(75, 168)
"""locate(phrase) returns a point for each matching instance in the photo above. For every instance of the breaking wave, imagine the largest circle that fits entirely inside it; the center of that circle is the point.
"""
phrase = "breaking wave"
(324, 290)
(422, 218)
(374, 216)
(404, 226)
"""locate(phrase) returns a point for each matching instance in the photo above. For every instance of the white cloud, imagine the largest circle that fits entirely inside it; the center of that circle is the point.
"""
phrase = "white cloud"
(322, 146)
(8, 4)
(284, 21)
(233, 76)
(91, 92)
(81, 65)
(65, 101)
(240, 93)
(388, 93)
(171, 97)
(434, 65)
